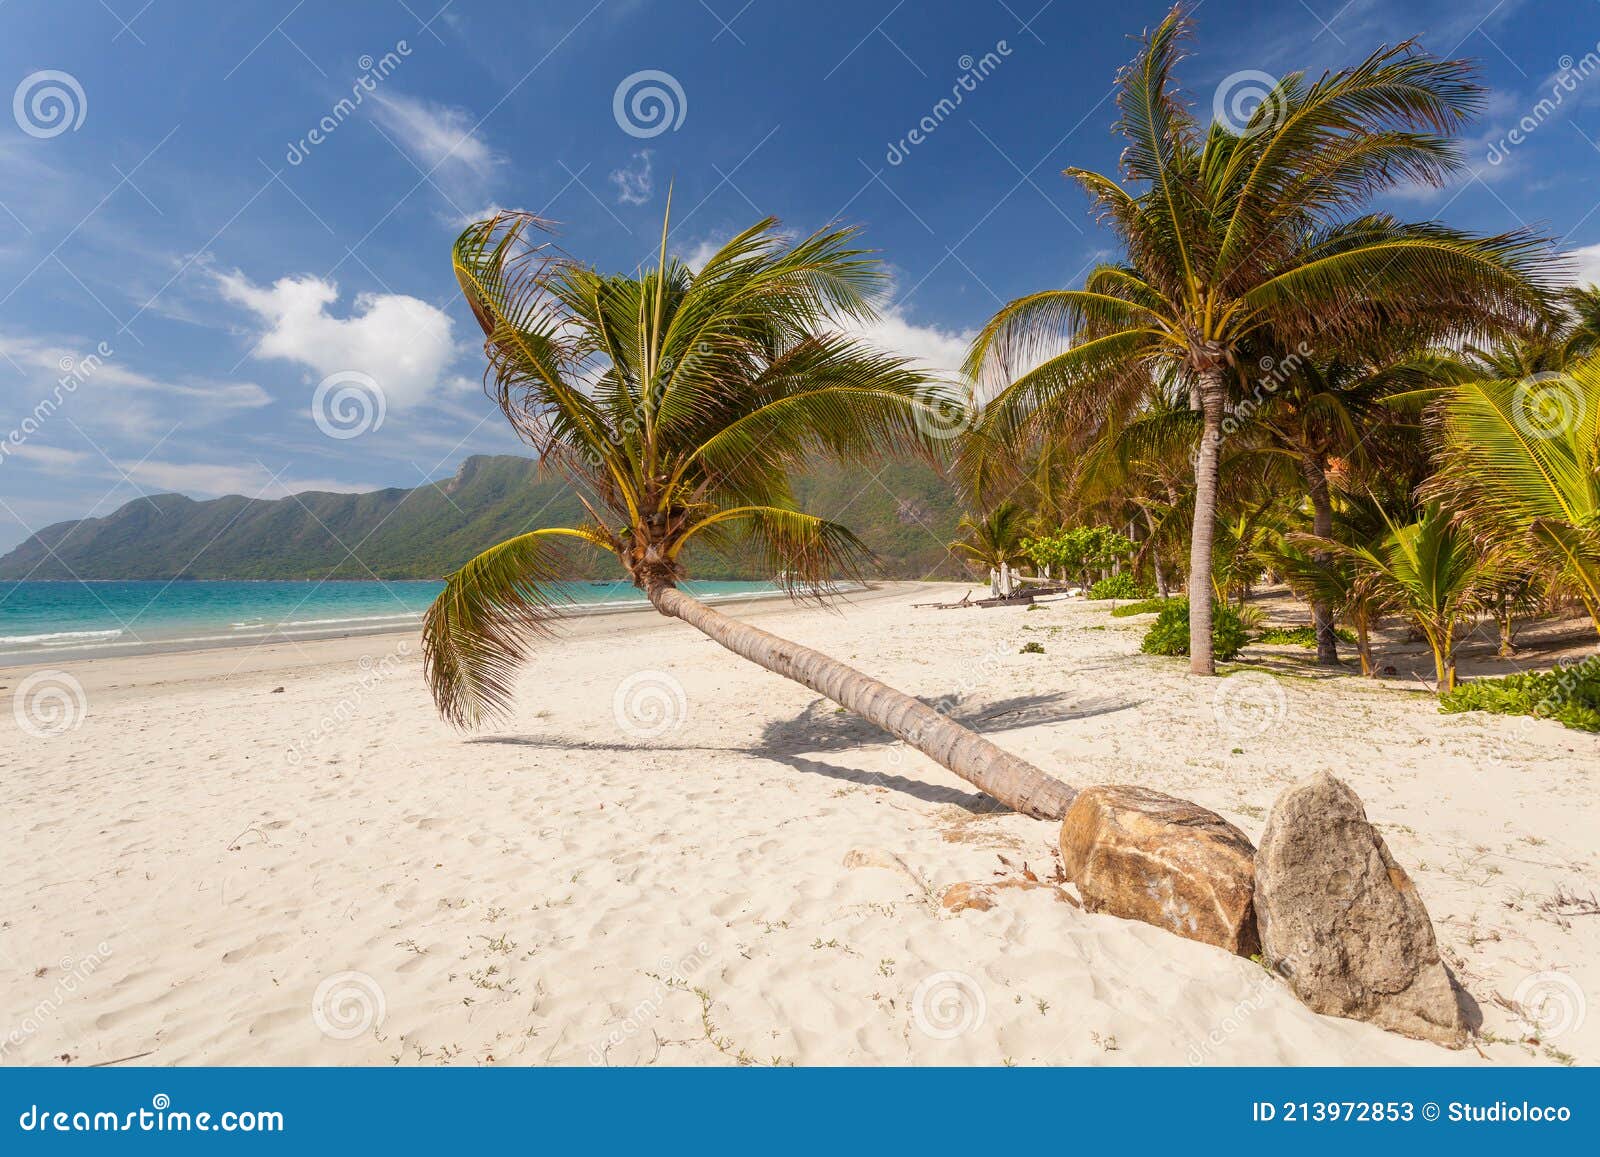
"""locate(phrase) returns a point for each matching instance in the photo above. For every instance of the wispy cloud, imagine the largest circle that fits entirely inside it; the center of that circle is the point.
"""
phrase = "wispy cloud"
(52, 360)
(441, 139)
(637, 184)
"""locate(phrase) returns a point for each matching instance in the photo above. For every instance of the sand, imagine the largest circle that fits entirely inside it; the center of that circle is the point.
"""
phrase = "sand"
(649, 864)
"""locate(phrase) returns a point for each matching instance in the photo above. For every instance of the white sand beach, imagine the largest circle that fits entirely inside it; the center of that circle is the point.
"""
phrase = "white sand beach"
(209, 870)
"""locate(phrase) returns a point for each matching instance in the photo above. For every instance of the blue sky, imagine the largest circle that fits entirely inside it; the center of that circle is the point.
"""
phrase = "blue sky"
(210, 278)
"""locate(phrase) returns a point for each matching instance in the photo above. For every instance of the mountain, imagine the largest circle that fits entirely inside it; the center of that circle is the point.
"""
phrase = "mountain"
(906, 512)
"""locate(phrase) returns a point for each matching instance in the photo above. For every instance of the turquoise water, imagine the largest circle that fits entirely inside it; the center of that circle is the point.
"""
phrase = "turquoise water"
(76, 619)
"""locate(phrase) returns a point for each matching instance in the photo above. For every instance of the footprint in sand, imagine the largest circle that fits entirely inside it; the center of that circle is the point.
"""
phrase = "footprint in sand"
(260, 947)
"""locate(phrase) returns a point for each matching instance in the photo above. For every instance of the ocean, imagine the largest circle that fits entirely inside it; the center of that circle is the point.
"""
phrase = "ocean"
(74, 620)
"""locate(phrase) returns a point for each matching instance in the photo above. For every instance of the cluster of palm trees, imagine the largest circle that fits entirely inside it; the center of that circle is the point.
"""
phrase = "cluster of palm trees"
(1277, 378)
(1274, 375)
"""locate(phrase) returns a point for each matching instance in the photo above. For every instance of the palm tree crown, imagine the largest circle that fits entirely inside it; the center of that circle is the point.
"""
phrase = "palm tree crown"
(678, 403)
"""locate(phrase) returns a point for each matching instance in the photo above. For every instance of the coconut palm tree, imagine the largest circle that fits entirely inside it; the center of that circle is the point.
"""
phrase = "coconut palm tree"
(679, 404)
(995, 539)
(1323, 578)
(1521, 459)
(1319, 409)
(1231, 231)
(1432, 571)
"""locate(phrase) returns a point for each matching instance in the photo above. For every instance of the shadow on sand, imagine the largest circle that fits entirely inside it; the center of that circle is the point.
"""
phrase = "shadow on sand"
(823, 727)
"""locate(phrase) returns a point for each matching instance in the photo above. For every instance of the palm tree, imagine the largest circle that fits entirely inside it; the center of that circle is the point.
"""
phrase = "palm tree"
(1320, 576)
(1324, 408)
(679, 404)
(1432, 571)
(1522, 460)
(1570, 331)
(1234, 232)
(1336, 583)
(995, 539)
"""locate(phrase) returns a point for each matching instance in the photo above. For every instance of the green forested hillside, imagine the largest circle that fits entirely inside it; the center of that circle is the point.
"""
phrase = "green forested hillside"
(905, 512)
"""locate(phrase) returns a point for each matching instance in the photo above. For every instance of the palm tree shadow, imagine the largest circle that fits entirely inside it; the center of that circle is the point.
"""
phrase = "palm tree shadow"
(822, 727)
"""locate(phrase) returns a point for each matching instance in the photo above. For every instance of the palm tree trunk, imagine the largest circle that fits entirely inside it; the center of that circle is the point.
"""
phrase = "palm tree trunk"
(1155, 554)
(1207, 466)
(1013, 781)
(1315, 470)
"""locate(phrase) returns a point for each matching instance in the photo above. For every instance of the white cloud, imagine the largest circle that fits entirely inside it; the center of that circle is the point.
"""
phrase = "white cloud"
(935, 350)
(702, 252)
(637, 185)
(442, 140)
(1584, 265)
(402, 342)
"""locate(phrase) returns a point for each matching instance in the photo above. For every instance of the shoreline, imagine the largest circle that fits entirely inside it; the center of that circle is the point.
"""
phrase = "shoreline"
(131, 671)
(92, 652)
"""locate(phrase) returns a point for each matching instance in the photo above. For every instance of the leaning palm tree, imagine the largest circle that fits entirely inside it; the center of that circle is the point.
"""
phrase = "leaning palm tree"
(679, 404)
(1233, 231)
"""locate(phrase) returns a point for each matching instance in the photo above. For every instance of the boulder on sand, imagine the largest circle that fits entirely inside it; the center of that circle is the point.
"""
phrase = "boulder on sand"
(1142, 855)
(1344, 923)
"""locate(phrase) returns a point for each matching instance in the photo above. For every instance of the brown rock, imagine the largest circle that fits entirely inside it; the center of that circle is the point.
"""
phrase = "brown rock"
(1344, 923)
(981, 895)
(1146, 856)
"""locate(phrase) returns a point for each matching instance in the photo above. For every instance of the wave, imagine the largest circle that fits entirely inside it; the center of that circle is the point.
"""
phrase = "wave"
(262, 624)
(60, 638)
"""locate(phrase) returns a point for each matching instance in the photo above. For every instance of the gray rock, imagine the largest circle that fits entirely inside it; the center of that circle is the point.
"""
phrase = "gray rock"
(1344, 923)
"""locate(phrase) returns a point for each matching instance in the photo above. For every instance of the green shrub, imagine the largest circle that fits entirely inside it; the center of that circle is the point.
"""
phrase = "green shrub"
(1120, 586)
(1169, 635)
(1148, 607)
(1569, 695)
(1301, 636)
(1032, 649)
